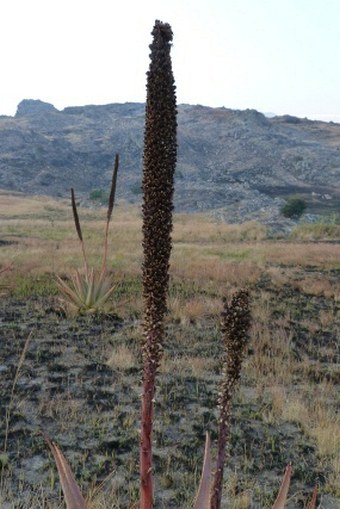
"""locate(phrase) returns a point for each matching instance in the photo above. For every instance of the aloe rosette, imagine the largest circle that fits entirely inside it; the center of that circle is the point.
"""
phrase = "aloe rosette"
(88, 290)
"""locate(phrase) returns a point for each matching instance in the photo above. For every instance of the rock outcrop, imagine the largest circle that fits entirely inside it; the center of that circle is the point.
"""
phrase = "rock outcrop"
(239, 162)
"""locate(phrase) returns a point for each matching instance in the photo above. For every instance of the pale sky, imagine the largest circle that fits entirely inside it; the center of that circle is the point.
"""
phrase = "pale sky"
(279, 56)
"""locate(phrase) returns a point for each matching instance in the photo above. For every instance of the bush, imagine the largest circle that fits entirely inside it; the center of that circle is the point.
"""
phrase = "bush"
(294, 208)
(99, 195)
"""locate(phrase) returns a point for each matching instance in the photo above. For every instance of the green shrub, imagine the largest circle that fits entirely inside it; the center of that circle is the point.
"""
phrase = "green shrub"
(294, 208)
(99, 195)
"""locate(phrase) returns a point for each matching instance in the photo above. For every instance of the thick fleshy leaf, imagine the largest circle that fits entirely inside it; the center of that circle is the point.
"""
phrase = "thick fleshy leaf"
(90, 289)
(68, 294)
(280, 502)
(105, 296)
(203, 495)
(312, 503)
(80, 284)
(65, 287)
(72, 494)
(101, 285)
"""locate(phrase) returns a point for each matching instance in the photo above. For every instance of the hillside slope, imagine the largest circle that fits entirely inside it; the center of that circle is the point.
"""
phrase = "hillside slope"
(238, 162)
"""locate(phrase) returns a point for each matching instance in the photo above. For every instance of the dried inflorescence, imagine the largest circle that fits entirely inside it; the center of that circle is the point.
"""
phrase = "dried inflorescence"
(235, 325)
(160, 150)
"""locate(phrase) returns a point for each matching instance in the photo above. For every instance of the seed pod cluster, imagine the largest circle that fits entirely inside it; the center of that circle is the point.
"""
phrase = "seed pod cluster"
(160, 150)
(235, 323)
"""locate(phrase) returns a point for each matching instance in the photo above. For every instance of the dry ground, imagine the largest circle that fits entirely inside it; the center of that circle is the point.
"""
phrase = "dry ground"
(78, 379)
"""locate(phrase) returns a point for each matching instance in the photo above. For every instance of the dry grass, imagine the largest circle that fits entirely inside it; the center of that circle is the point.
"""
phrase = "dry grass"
(273, 360)
(206, 229)
(186, 365)
(317, 231)
(196, 264)
(194, 308)
(302, 255)
(41, 246)
(64, 409)
(313, 410)
(319, 286)
(122, 358)
(202, 248)
(317, 416)
(209, 259)
(21, 206)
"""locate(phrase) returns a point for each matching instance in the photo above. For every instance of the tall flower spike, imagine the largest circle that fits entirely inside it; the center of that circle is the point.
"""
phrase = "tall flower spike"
(109, 210)
(78, 227)
(160, 150)
(234, 327)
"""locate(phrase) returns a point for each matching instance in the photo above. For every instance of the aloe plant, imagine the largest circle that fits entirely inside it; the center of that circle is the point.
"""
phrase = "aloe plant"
(159, 166)
(88, 289)
(75, 500)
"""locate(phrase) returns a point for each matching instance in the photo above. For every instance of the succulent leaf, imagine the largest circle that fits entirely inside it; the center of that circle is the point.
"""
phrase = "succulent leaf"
(203, 495)
(72, 494)
(90, 290)
(312, 502)
(281, 499)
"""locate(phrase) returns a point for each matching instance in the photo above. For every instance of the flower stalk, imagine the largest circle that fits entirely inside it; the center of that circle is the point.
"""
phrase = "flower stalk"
(78, 228)
(159, 158)
(235, 324)
(109, 210)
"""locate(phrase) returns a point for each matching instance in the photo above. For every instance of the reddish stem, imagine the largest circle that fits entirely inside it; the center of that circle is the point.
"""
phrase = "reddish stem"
(146, 489)
(216, 491)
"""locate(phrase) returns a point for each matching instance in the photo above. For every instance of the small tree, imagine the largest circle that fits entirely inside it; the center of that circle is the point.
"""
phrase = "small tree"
(294, 208)
(99, 195)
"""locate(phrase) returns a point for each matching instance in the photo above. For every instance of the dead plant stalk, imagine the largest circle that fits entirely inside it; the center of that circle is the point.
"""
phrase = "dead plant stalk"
(160, 150)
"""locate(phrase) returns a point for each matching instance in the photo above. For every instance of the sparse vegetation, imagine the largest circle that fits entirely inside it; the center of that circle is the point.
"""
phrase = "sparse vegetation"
(293, 355)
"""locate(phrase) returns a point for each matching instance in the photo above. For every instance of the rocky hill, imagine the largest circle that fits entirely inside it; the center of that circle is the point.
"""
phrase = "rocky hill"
(240, 164)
